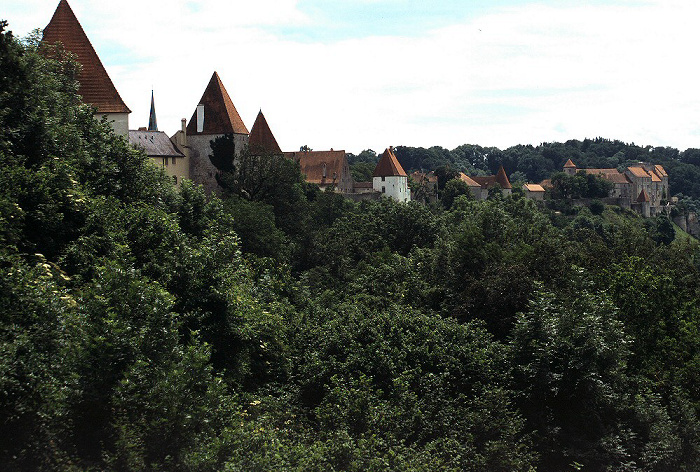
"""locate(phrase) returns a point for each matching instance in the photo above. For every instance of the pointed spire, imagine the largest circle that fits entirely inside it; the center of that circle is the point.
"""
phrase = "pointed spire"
(569, 164)
(152, 122)
(389, 165)
(643, 197)
(219, 114)
(502, 179)
(96, 87)
(261, 137)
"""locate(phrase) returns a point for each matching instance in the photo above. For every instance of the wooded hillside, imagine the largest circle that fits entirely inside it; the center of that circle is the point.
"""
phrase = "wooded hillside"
(144, 327)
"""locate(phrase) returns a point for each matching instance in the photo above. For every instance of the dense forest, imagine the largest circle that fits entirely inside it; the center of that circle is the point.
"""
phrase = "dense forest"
(148, 327)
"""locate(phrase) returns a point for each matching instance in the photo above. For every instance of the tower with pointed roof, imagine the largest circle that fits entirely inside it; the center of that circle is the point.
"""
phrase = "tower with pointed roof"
(152, 122)
(390, 179)
(96, 87)
(261, 139)
(214, 117)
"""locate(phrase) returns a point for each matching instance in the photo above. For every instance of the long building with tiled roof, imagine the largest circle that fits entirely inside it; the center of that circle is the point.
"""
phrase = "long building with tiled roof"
(96, 87)
(325, 169)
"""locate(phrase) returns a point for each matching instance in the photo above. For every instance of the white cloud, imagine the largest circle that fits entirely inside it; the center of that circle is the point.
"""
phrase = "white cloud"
(520, 75)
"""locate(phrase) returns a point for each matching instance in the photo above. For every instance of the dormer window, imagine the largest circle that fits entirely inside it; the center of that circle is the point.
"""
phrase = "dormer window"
(324, 170)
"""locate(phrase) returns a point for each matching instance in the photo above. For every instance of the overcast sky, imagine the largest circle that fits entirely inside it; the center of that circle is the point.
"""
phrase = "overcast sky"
(358, 74)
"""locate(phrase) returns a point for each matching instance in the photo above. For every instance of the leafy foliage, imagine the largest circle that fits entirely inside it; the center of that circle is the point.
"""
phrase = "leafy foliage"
(144, 327)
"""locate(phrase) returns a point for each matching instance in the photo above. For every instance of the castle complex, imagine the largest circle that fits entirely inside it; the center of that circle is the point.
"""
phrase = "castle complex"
(185, 155)
(642, 187)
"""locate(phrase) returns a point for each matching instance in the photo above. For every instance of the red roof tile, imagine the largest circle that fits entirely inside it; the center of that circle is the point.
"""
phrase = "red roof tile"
(468, 180)
(638, 171)
(220, 115)
(502, 179)
(660, 171)
(261, 137)
(533, 188)
(389, 166)
(643, 197)
(321, 167)
(96, 87)
(569, 164)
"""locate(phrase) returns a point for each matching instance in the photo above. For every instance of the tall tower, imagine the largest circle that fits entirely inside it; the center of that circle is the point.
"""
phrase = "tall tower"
(215, 116)
(390, 179)
(96, 87)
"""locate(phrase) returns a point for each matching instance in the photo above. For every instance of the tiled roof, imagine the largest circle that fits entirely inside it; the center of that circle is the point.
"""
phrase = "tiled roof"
(220, 115)
(261, 137)
(420, 177)
(601, 171)
(569, 164)
(388, 165)
(660, 171)
(155, 143)
(533, 188)
(502, 178)
(320, 166)
(362, 185)
(654, 177)
(638, 171)
(643, 197)
(617, 178)
(468, 180)
(485, 181)
(489, 181)
(96, 87)
(612, 175)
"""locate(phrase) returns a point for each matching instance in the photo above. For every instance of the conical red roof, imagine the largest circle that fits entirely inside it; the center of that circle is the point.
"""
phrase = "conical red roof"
(96, 87)
(261, 137)
(502, 179)
(643, 197)
(388, 166)
(220, 116)
(569, 164)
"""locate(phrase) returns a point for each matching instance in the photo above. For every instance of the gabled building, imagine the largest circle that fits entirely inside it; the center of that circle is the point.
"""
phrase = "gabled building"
(390, 179)
(96, 87)
(325, 169)
(170, 154)
(642, 187)
(474, 186)
(424, 186)
(534, 192)
(164, 152)
(488, 182)
(214, 117)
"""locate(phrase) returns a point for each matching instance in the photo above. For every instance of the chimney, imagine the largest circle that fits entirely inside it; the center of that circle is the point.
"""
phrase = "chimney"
(200, 118)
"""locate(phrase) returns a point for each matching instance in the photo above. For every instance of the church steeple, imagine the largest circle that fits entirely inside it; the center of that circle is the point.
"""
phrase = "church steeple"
(152, 122)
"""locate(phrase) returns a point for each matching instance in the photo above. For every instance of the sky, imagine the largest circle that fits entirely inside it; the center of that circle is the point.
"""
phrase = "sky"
(369, 74)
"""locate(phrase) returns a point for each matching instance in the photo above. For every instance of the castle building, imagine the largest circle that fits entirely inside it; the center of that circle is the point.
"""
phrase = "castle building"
(214, 117)
(642, 187)
(170, 154)
(488, 182)
(96, 88)
(390, 179)
(325, 169)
